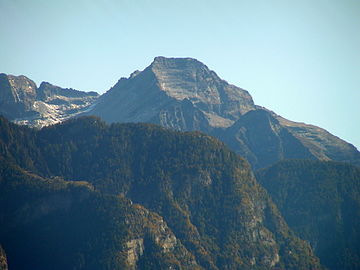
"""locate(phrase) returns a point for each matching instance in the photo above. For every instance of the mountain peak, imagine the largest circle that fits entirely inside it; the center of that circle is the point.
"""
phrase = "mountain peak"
(45, 84)
(188, 78)
(163, 59)
(179, 92)
(161, 63)
(20, 83)
(17, 93)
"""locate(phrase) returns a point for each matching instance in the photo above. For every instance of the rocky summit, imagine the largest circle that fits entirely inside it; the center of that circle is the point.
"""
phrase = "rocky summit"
(23, 102)
(178, 93)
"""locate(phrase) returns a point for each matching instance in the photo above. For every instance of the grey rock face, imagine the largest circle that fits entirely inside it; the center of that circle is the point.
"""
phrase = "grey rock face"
(17, 94)
(150, 232)
(188, 78)
(23, 103)
(177, 93)
(3, 260)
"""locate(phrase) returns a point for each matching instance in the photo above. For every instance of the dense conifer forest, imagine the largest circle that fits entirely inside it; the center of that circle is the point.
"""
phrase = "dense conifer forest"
(320, 200)
(86, 195)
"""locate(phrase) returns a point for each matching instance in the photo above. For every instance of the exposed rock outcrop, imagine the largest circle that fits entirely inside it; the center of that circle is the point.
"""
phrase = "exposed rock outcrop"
(152, 238)
(3, 260)
(17, 94)
(23, 102)
(135, 251)
(179, 93)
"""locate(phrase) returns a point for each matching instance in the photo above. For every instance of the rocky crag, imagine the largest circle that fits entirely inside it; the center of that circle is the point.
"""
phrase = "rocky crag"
(3, 260)
(181, 94)
(22, 102)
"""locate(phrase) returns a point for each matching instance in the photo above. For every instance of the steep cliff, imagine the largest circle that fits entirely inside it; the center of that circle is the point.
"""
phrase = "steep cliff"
(23, 102)
(17, 94)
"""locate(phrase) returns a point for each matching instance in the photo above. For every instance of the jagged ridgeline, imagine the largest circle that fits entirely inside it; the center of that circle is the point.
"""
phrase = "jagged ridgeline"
(321, 202)
(180, 94)
(136, 196)
(21, 101)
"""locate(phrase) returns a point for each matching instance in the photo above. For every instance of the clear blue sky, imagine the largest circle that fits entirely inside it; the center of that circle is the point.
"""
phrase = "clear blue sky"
(298, 58)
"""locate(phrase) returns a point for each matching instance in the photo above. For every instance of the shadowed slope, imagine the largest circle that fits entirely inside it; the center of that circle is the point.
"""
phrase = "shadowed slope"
(206, 194)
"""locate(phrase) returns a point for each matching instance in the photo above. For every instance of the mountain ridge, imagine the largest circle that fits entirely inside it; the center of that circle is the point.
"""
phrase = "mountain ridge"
(197, 85)
(24, 103)
(184, 94)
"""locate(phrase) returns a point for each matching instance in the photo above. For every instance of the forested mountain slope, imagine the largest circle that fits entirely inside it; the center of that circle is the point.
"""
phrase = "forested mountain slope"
(205, 198)
(321, 202)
